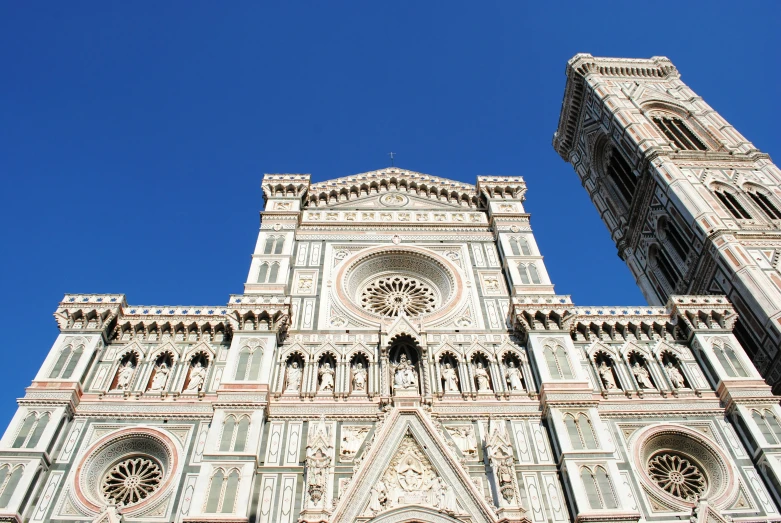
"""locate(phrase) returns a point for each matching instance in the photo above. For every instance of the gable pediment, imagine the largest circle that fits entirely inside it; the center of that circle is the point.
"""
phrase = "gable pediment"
(409, 466)
(394, 201)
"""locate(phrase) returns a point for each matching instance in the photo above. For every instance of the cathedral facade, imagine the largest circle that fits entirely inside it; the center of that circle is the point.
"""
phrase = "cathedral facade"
(398, 354)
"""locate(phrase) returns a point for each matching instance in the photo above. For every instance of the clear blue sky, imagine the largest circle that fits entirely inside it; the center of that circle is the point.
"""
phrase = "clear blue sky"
(134, 135)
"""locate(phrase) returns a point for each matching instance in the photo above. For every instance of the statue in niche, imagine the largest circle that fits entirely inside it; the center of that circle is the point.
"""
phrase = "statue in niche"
(197, 377)
(642, 376)
(293, 377)
(481, 376)
(606, 375)
(317, 468)
(405, 376)
(464, 438)
(504, 473)
(326, 378)
(359, 377)
(450, 377)
(125, 375)
(674, 373)
(513, 375)
(161, 378)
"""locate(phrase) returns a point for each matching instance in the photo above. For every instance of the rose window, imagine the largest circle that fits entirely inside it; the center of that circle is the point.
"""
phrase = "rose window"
(678, 476)
(131, 481)
(394, 295)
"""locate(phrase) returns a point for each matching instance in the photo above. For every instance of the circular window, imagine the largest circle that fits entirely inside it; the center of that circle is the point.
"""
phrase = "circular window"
(131, 480)
(682, 465)
(129, 468)
(677, 475)
(391, 281)
(393, 295)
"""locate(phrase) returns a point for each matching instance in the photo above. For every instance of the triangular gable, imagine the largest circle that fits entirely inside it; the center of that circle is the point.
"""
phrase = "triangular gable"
(409, 465)
(396, 201)
(110, 515)
(402, 325)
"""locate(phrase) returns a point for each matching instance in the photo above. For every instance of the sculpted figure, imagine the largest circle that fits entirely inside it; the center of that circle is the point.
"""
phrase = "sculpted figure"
(359, 377)
(405, 377)
(676, 378)
(197, 377)
(450, 376)
(513, 375)
(326, 378)
(161, 378)
(481, 376)
(379, 497)
(504, 473)
(642, 376)
(606, 374)
(125, 375)
(293, 377)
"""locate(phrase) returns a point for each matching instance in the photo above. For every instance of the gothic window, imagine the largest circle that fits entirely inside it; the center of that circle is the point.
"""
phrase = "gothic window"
(274, 245)
(730, 361)
(31, 431)
(768, 425)
(557, 361)
(621, 174)
(519, 246)
(599, 488)
(66, 362)
(9, 479)
(675, 239)
(528, 273)
(767, 206)
(268, 272)
(679, 133)
(248, 367)
(234, 435)
(222, 492)
(730, 201)
(665, 268)
(580, 431)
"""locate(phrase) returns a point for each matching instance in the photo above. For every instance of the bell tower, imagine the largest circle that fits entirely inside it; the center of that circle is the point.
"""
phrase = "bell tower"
(692, 205)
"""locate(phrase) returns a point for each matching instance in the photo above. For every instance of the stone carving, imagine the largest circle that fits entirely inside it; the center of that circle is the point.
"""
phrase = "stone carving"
(450, 378)
(352, 437)
(405, 376)
(395, 295)
(305, 283)
(464, 436)
(513, 376)
(125, 375)
(642, 376)
(482, 379)
(606, 376)
(677, 475)
(326, 378)
(500, 457)
(359, 377)
(197, 378)
(318, 464)
(161, 378)
(411, 480)
(131, 481)
(491, 283)
(675, 375)
(293, 377)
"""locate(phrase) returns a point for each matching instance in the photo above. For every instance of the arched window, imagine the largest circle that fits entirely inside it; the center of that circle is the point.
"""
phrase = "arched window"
(730, 201)
(519, 246)
(248, 367)
(679, 133)
(528, 273)
(272, 275)
(32, 429)
(274, 245)
(222, 492)
(599, 488)
(267, 273)
(665, 268)
(621, 174)
(234, 435)
(9, 479)
(605, 488)
(580, 431)
(768, 425)
(66, 362)
(675, 239)
(514, 247)
(767, 206)
(729, 360)
(558, 363)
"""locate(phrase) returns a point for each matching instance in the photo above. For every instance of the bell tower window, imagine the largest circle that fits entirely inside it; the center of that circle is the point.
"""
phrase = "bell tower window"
(624, 179)
(733, 205)
(678, 133)
(767, 206)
